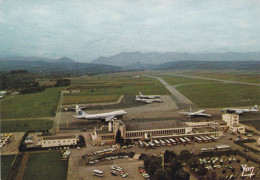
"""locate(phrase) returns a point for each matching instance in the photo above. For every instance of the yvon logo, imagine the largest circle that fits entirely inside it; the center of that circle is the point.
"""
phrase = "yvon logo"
(247, 171)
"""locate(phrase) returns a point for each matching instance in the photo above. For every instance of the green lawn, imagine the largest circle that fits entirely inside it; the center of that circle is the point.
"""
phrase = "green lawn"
(42, 104)
(221, 94)
(118, 84)
(47, 165)
(176, 80)
(256, 124)
(80, 99)
(25, 125)
(6, 162)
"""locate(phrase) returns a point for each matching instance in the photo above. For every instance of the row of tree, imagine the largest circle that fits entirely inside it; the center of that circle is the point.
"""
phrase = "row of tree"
(25, 82)
(172, 170)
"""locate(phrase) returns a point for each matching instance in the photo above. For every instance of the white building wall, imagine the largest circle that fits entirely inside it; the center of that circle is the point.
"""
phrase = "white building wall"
(59, 142)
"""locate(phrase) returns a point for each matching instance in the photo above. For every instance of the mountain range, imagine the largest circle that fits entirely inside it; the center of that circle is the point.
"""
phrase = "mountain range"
(44, 65)
(130, 58)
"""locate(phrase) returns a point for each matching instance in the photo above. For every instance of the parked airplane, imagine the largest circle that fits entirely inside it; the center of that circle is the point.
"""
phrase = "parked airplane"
(104, 116)
(74, 108)
(197, 113)
(148, 96)
(240, 111)
(148, 101)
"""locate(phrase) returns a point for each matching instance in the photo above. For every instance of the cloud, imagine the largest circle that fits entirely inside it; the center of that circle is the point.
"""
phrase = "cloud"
(85, 30)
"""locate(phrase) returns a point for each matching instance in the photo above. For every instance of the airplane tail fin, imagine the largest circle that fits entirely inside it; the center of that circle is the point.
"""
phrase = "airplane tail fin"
(79, 111)
(255, 108)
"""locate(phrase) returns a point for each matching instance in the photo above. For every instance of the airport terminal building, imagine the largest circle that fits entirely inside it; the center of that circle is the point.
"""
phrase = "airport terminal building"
(131, 130)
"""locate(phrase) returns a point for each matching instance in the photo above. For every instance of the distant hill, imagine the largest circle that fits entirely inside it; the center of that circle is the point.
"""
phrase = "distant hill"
(210, 65)
(51, 65)
(128, 58)
(65, 60)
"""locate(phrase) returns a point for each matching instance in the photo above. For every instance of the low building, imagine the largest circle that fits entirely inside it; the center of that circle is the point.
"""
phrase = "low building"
(58, 141)
(139, 130)
(232, 121)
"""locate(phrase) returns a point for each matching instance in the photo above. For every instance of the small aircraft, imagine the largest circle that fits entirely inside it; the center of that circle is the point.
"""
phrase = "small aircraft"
(103, 116)
(240, 111)
(197, 113)
(148, 101)
(141, 96)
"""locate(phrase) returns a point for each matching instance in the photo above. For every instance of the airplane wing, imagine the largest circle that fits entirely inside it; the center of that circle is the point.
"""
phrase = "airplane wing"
(203, 114)
(109, 118)
(238, 112)
(187, 113)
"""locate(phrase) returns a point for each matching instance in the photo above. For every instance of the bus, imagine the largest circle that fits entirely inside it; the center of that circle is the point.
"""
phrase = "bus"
(203, 139)
(214, 138)
(168, 143)
(141, 144)
(157, 143)
(146, 145)
(172, 141)
(183, 141)
(197, 139)
(204, 150)
(151, 144)
(223, 148)
(98, 173)
(187, 139)
(162, 142)
(208, 138)
(178, 141)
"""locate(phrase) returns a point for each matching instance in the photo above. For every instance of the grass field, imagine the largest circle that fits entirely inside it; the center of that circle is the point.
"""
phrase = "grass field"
(243, 76)
(42, 104)
(176, 80)
(25, 125)
(80, 99)
(117, 84)
(6, 162)
(221, 94)
(256, 124)
(47, 165)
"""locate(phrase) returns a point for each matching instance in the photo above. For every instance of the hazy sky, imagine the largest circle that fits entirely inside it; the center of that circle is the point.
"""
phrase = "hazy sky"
(85, 30)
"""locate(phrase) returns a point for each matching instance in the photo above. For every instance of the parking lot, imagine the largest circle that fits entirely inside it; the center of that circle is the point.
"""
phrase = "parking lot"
(231, 166)
(130, 166)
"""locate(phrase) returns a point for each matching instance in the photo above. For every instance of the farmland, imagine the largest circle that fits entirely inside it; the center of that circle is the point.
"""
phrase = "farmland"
(26, 125)
(46, 165)
(213, 95)
(6, 162)
(43, 104)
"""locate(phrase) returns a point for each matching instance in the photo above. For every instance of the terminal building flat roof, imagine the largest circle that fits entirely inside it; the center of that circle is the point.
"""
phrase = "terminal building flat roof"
(150, 125)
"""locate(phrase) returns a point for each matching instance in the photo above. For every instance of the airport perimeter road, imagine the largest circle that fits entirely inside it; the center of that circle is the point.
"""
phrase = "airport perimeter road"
(220, 80)
(181, 101)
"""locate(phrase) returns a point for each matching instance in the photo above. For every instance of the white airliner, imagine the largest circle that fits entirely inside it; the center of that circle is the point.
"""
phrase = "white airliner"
(148, 97)
(240, 111)
(148, 101)
(104, 116)
(197, 113)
